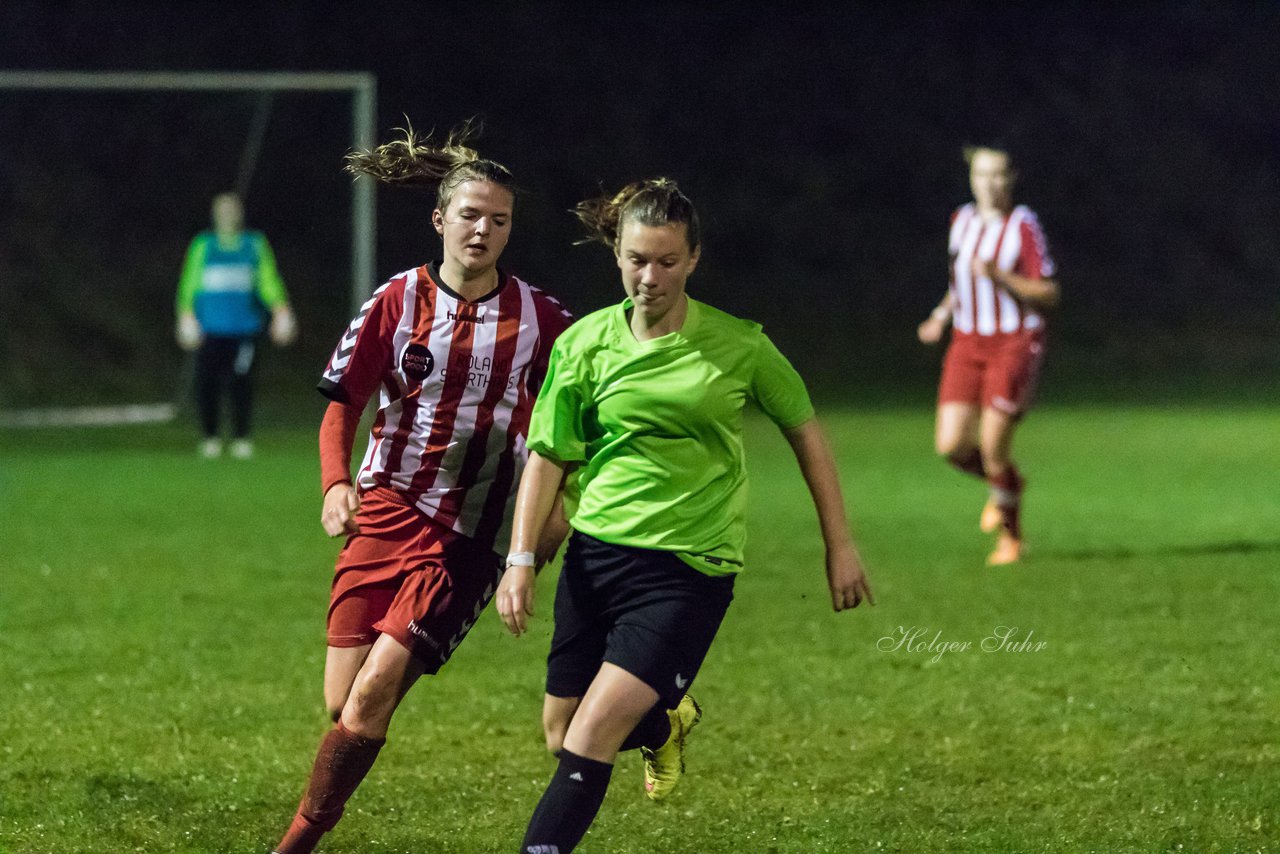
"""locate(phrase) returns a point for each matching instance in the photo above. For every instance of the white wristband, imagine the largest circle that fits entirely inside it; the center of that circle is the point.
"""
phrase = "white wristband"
(520, 559)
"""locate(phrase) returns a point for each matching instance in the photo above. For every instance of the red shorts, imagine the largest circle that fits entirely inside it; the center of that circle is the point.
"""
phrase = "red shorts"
(409, 577)
(997, 372)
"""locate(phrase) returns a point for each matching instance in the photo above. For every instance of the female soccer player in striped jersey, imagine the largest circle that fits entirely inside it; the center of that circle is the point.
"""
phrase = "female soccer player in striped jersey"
(457, 349)
(1001, 282)
(645, 400)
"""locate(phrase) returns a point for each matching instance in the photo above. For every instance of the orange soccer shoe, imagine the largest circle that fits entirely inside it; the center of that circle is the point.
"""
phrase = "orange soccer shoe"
(991, 517)
(1008, 550)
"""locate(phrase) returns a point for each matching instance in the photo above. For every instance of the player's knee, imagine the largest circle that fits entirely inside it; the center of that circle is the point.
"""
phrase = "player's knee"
(336, 698)
(553, 731)
(371, 702)
(334, 701)
(950, 442)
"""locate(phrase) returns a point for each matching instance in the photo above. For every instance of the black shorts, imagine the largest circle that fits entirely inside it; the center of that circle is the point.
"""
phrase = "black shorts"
(645, 611)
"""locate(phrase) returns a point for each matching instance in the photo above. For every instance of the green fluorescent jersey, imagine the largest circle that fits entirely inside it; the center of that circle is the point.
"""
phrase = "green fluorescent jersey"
(656, 427)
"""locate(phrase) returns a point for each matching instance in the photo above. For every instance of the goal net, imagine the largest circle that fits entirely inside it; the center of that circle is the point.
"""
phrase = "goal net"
(105, 179)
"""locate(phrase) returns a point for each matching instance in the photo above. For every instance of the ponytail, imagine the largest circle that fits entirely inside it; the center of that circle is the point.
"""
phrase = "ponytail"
(418, 162)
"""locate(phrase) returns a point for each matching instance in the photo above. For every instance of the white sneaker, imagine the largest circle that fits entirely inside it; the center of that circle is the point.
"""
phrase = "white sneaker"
(211, 449)
(242, 449)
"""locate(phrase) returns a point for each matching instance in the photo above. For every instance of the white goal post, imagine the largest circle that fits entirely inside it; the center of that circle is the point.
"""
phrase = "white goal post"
(362, 85)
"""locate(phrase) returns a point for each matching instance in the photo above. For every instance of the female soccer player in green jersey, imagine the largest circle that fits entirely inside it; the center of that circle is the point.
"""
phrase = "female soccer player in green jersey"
(643, 406)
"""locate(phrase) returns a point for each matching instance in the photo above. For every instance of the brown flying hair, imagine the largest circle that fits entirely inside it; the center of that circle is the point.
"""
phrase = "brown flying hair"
(414, 161)
(655, 201)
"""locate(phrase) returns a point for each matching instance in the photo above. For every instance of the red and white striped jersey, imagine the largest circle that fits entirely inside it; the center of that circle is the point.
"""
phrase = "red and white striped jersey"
(1015, 243)
(458, 380)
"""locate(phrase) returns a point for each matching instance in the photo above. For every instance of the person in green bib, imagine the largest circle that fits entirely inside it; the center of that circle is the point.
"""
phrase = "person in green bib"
(228, 290)
(640, 417)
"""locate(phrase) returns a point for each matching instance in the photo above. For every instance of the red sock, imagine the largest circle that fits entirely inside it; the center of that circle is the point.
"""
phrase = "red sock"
(342, 762)
(969, 462)
(1007, 489)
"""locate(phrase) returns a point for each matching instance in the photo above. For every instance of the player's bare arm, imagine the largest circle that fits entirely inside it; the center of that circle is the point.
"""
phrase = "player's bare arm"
(539, 490)
(553, 533)
(846, 577)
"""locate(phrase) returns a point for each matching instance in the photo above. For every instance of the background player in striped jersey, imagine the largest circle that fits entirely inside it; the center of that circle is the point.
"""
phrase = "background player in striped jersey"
(1001, 281)
(645, 400)
(457, 350)
(229, 283)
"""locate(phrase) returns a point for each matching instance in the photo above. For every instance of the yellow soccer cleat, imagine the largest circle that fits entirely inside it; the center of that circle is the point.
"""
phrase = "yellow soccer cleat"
(664, 766)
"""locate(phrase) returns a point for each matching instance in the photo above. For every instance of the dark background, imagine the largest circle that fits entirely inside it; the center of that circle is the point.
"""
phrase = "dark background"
(821, 142)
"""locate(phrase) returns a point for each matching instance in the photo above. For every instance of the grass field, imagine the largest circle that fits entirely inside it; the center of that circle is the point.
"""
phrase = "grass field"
(161, 646)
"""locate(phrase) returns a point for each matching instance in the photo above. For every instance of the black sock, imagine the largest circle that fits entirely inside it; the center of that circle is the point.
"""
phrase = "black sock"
(653, 730)
(969, 462)
(568, 806)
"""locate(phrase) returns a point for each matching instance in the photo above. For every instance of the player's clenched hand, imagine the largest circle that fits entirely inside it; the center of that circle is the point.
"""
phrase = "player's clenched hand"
(847, 579)
(339, 513)
(515, 598)
(284, 328)
(930, 332)
(189, 333)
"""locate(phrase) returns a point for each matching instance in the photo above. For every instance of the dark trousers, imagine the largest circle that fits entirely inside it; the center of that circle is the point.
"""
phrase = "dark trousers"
(225, 364)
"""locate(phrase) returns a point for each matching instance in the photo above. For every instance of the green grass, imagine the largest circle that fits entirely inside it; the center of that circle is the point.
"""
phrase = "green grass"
(161, 649)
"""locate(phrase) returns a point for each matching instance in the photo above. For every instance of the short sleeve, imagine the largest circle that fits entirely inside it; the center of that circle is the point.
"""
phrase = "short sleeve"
(270, 286)
(555, 428)
(553, 320)
(189, 284)
(363, 355)
(778, 389)
(1035, 261)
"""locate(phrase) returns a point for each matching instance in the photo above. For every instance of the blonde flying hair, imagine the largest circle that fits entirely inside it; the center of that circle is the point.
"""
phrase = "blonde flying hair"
(971, 151)
(414, 161)
(656, 201)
